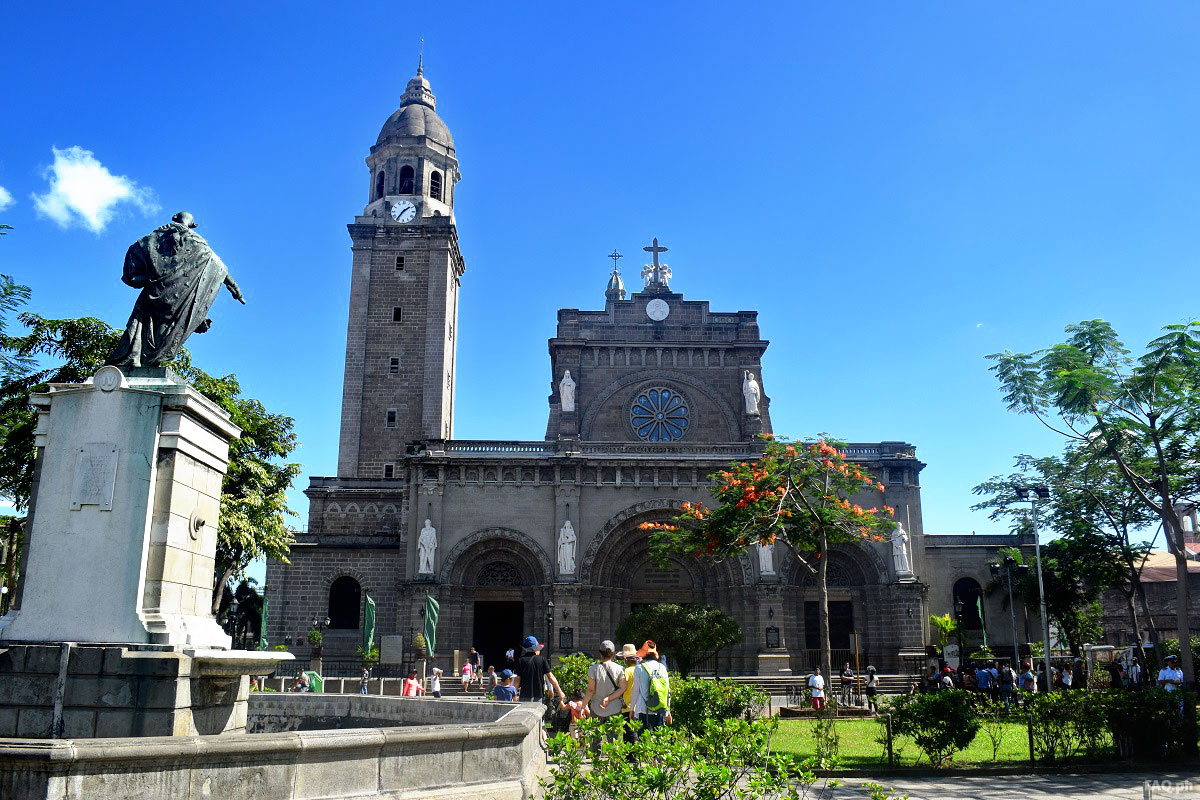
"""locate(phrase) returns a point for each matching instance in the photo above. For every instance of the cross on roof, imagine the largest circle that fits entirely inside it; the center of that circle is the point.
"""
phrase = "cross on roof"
(658, 274)
(614, 255)
(655, 249)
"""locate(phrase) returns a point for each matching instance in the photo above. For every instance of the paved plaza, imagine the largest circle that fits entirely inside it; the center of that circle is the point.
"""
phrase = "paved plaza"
(1111, 786)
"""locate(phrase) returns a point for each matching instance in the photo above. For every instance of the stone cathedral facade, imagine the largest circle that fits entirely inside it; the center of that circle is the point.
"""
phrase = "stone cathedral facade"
(656, 399)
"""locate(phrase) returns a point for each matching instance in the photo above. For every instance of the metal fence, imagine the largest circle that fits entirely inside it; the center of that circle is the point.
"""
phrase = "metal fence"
(341, 668)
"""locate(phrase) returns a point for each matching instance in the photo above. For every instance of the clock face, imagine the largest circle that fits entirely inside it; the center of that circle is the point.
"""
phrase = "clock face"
(404, 211)
(657, 309)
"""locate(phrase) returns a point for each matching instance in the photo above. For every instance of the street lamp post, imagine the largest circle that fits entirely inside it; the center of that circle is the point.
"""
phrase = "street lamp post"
(549, 625)
(1033, 494)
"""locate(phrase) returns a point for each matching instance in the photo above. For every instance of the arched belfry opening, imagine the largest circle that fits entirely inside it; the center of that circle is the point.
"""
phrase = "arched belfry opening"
(407, 182)
(345, 599)
(380, 185)
(435, 185)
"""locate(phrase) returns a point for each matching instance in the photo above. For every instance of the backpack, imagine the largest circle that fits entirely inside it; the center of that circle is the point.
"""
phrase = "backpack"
(658, 693)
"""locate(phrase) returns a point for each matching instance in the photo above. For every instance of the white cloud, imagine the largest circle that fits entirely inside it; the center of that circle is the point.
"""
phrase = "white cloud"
(83, 191)
(6, 198)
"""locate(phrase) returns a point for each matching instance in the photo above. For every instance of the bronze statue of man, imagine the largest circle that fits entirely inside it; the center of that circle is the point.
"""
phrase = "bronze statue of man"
(180, 276)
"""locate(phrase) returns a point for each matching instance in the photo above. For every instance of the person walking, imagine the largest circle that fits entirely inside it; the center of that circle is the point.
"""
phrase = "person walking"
(435, 683)
(466, 677)
(872, 690)
(364, 680)
(412, 687)
(533, 672)
(651, 689)
(606, 684)
(817, 684)
(1008, 682)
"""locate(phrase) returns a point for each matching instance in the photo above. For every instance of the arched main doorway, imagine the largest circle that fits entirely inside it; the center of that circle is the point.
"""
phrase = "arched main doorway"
(848, 575)
(498, 580)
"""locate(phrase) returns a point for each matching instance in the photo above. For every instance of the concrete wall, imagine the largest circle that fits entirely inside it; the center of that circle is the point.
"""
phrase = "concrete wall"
(500, 759)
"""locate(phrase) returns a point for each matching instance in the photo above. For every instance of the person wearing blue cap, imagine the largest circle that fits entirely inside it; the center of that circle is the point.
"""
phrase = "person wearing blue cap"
(505, 692)
(533, 670)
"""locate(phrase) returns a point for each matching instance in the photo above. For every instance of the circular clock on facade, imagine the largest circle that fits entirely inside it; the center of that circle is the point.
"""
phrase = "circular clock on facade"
(404, 211)
(657, 309)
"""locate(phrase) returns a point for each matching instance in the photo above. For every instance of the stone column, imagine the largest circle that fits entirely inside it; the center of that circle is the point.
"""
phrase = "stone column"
(773, 656)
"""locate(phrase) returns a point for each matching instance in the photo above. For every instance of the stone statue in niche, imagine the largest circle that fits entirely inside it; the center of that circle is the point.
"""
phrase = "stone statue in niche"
(766, 558)
(180, 276)
(566, 392)
(426, 547)
(566, 549)
(752, 392)
(900, 551)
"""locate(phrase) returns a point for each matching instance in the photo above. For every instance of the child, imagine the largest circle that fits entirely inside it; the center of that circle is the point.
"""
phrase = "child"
(505, 692)
(578, 710)
(435, 686)
(466, 677)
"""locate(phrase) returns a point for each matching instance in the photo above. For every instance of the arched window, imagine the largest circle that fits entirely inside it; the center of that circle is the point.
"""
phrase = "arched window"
(379, 185)
(406, 179)
(968, 592)
(435, 185)
(344, 597)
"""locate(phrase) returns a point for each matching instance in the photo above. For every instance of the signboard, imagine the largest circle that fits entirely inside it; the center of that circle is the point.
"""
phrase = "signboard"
(772, 637)
(566, 638)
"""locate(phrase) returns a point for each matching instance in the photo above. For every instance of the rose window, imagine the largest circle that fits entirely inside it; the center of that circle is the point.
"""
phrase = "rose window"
(659, 415)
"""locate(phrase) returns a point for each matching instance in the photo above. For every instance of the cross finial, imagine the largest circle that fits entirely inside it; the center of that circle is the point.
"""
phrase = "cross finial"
(421, 58)
(655, 249)
(615, 256)
(656, 274)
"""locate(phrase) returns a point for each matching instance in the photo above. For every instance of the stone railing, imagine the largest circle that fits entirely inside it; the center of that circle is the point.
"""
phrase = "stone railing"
(413, 748)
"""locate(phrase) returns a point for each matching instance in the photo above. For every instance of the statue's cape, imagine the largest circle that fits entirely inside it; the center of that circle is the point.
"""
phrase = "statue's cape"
(180, 276)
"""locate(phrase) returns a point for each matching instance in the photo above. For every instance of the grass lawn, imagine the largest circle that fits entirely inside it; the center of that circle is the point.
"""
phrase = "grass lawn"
(857, 745)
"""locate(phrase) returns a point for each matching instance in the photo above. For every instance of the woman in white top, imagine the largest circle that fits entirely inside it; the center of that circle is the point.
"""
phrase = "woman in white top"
(872, 690)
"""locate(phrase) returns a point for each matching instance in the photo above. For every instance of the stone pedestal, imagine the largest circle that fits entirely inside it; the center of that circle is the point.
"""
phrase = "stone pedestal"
(774, 663)
(123, 530)
(111, 631)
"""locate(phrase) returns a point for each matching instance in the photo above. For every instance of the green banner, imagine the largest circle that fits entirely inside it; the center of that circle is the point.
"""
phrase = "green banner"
(431, 621)
(262, 623)
(368, 625)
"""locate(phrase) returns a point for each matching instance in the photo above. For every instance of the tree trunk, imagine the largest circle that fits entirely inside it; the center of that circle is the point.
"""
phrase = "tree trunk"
(1182, 595)
(1139, 592)
(217, 590)
(823, 615)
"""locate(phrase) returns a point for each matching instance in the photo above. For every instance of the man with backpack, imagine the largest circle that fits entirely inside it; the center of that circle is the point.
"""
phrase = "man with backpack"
(605, 687)
(651, 689)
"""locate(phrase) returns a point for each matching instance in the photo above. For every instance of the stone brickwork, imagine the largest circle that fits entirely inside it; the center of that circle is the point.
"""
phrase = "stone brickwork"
(114, 691)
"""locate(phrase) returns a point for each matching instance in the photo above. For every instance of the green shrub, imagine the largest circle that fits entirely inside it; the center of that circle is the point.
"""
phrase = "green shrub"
(730, 758)
(571, 672)
(315, 637)
(694, 701)
(941, 723)
(1069, 723)
(1149, 724)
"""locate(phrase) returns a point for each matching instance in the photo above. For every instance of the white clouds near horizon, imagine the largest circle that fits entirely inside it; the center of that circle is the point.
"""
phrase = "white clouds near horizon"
(83, 191)
(6, 198)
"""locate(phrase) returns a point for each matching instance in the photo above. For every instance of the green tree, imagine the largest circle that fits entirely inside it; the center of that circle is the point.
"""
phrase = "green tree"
(685, 634)
(253, 493)
(946, 627)
(1141, 415)
(1092, 506)
(805, 495)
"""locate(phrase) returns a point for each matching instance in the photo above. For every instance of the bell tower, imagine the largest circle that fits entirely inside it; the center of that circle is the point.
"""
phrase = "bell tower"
(407, 268)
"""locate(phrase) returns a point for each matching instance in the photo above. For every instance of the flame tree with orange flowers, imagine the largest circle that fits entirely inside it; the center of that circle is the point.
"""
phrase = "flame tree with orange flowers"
(803, 494)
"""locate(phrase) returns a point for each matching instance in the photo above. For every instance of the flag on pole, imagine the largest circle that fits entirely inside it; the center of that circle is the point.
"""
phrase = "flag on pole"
(431, 621)
(262, 622)
(368, 625)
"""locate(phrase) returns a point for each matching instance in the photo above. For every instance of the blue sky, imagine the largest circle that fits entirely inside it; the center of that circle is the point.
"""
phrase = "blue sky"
(899, 189)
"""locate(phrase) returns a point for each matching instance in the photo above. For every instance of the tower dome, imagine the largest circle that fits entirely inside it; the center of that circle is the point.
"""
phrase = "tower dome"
(616, 287)
(417, 115)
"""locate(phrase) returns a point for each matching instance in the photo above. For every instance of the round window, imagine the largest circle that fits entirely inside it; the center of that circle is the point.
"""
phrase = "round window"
(659, 415)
